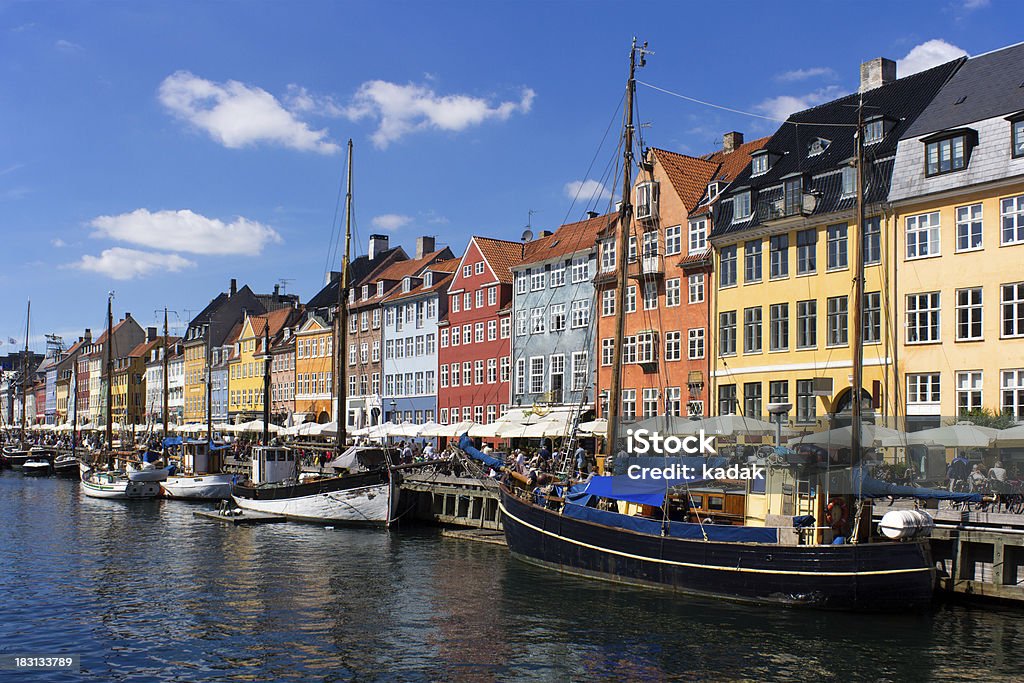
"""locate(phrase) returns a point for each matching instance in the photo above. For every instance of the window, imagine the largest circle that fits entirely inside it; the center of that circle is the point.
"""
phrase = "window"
(968, 391)
(872, 317)
(696, 287)
(849, 181)
(479, 269)
(874, 131)
(607, 256)
(872, 241)
(793, 190)
(778, 327)
(353, 323)
(537, 321)
(608, 302)
(778, 257)
(538, 280)
(946, 156)
(741, 206)
(580, 313)
(1012, 219)
(727, 399)
(806, 402)
(778, 392)
(923, 235)
(727, 333)
(479, 298)
(759, 164)
(698, 235)
(1012, 305)
(478, 372)
(467, 270)
(629, 404)
(557, 312)
(520, 283)
(504, 364)
(467, 301)
(467, 373)
(492, 330)
(444, 375)
(673, 345)
(650, 402)
(968, 314)
(674, 240)
(647, 347)
(1013, 393)
(505, 329)
(1017, 138)
(631, 299)
(968, 227)
(479, 332)
(521, 376)
(838, 321)
(520, 323)
(629, 350)
(456, 335)
(752, 399)
(455, 304)
(806, 252)
(806, 324)
(580, 269)
(696, 343)
(579, 370)
(673, 401)
(727, 267)
(650, 295)
(376, 318)
(492, 296)
(752, 330)
(537, 375)
(923, 318)
(923, 389)
(375, 351)
(837, 247)
(557, 275)
(607, 351)
(752, 261)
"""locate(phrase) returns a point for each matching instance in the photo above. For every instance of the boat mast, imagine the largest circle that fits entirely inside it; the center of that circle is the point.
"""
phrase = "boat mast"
(621, 253)
(340, 318)
(110, 371)
(164, 416)
(209, 383)
(858, 292)
(24, 375)
(266, 381)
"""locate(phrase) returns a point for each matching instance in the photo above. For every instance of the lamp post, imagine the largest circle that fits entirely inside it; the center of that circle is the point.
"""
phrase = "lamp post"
(394, 413)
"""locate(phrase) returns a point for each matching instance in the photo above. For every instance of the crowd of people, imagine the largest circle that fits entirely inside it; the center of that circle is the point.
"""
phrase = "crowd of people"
(962, 475)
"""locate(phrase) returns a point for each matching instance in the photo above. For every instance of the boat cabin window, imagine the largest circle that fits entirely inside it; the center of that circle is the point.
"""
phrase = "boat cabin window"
(716, 503)
(804, 488)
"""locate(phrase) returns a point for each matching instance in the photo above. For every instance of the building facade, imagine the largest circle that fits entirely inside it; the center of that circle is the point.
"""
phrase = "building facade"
(314, 370)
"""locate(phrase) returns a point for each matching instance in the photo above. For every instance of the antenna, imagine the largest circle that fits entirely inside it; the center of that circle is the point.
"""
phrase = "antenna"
(284, 283)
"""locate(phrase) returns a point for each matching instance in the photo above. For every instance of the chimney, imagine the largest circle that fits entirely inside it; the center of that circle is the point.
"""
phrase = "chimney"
(234, 287)
(876, 72)
(88, 335)
(150, 334)
(332, 276)
(127, 315)
(378, 245)
(592, 214)
(424, 246)
(277, 292)
(545, 233)
(731, 141)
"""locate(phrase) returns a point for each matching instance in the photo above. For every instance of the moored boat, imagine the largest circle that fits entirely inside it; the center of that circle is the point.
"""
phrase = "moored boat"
(66, 465)
(115, 485)
(37, 466)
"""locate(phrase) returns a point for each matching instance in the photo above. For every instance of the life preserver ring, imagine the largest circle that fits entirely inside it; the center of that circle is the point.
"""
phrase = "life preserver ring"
(837, 514)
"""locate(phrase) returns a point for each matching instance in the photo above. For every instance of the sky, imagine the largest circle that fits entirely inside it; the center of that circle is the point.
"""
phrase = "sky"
(159, 149)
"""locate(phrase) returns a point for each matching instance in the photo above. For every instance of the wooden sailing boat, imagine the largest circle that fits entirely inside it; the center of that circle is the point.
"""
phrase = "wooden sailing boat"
(16, 456)
(367, 495)
(578, 531)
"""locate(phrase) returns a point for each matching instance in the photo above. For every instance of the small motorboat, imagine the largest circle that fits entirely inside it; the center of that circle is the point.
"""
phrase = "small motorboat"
(66, 465)
(148, 472)
(37, 467)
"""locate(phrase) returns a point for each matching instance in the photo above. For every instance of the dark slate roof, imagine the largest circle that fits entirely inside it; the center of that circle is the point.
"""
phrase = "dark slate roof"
(358, 270)
(900, 102)
(990, 85)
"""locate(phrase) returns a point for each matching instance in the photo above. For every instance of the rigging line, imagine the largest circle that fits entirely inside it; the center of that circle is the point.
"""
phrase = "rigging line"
(597, 152)
(332, 248)
(740, 111)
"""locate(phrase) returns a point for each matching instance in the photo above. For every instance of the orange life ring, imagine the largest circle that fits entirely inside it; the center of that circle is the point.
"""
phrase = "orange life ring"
(837, 520)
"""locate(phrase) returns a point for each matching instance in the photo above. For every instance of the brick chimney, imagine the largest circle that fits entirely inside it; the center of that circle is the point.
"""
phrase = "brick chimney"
(277, 293)
(378, 245)
(150, 334)
(233, 289)
(332, 276)
(88, 336)
(876, 72)
(731, 141)
(424, 246)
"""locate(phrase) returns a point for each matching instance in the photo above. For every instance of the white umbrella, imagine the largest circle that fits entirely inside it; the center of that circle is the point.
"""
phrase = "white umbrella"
(427, 427)
(598, 427)
(670, 425)
(959, 435)
(731, 425)
(874, 436)
(1012, 437)
(404, 429)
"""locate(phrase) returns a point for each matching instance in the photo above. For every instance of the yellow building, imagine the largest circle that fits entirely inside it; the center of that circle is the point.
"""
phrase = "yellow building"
(785, 249)
(248, 363)
(195, 380)
(314, 370)
(958, 200)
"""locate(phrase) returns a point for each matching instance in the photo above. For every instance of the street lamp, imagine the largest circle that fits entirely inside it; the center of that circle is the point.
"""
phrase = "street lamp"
(779, 410)
(394, 413)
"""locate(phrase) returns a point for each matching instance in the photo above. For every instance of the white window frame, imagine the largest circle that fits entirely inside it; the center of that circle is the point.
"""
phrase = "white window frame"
(970, 314)
(1011, 220)
(697, 235)
(970, 228)
(969, 391)
(695, 343)
(1011, 310)
(923, 313)
(923, 235)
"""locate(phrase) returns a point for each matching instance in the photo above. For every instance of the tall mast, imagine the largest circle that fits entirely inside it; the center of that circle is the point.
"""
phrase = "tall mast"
(858, 292)
(621, 253)
(266, 381)
(24, 374)
(110, 371)
(164, 416)
(340, 318)
(209, 382)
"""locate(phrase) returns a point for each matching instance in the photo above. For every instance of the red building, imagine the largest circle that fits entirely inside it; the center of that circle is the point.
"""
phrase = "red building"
(475, 339)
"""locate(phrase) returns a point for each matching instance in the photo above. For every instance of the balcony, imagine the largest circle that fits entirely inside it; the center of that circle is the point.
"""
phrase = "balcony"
(802, 204)
(646, 267)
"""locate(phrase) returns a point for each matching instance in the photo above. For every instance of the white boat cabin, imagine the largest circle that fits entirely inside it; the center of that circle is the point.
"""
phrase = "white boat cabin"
(273, 464)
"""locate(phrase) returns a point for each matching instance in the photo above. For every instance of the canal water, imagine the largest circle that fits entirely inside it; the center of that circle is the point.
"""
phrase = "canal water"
(142, 591)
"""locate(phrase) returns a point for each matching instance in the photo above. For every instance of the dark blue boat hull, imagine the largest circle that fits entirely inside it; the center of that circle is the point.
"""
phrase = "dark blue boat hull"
(862, 577)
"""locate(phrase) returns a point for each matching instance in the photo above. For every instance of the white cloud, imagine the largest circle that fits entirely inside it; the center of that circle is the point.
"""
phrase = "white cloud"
(236, 115)
(804, 74)
(58, 243)
(186, 230)
(390, 221)
(781, 107)
(403, 109)
(587, 191)
(970, 5)
(301, 101)
(68, 46)
(128, 264)
(926, 55)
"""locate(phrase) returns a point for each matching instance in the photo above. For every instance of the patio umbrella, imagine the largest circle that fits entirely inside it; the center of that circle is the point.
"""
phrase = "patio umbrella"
(1012, 437)
(874, 436)
(959, 435)
(598, 427)
(730, 425)
(669, 425)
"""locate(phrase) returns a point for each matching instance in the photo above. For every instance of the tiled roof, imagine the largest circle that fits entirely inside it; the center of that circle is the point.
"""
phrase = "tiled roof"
(732, 163)
(395, 273)
(441, 280)
(144, 348)
(359, 269)
(689, 175)
(501, 255)
(568, 239)
(986, 86)
(277, 320)
(447, 266)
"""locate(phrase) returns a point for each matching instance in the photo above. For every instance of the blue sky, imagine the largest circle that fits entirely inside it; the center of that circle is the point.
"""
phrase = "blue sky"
(159, 149)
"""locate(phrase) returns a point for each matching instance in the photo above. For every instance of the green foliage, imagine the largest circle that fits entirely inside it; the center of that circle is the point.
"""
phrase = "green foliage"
(987, 418)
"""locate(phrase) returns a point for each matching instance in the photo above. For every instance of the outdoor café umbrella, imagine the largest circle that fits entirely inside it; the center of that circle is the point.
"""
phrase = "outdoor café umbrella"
(959, 435)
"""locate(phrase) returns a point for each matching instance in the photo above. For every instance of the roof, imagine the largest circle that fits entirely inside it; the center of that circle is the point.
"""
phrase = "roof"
(441, 280)
(143, 349)
(568, 239)
(733, 163)
(396, 272)
(501, 255)
(689, 175)
(358, 270)
(986, 86)
(276, 319)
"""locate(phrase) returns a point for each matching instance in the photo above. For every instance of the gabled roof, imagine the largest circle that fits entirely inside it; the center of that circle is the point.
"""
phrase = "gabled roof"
(275, 319)
(395, 273)
(143, 349)
(568, 239)
(732, 163)
(441, 281)
(501, 255)
(358, 270)
(689, 175)
(986, 86)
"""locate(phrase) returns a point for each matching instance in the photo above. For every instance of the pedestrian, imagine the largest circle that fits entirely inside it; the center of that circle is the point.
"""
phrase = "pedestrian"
(581, 460)
(997, 472)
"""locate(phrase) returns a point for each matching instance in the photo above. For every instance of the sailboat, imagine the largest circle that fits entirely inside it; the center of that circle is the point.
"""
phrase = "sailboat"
(113, 483)
(66, 463)
(16, 456)
(366, 495)
(199, 476)
(659, 538)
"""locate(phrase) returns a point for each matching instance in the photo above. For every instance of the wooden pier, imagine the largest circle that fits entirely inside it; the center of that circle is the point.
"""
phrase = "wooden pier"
(457, 501)
(239, 517)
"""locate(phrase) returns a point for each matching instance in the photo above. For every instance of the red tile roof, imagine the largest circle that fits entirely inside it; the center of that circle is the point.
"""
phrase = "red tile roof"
(735, 161)
(688, 175)
(568, 239)
(501, 255)
(396, 272)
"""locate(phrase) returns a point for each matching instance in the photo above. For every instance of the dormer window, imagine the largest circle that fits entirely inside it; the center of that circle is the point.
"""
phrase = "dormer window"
(874, 130)
(366, 291)
(948, 152)
(406, 284)
(1017, 135)
(380, 288)
(713, 190)
(817, 146)
(741, 206)
(759, 163)
(646, 200)
(849, 181)
(352, 296)
(428, 279)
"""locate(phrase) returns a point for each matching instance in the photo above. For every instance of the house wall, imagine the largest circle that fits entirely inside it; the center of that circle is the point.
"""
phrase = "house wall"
(411, 324)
